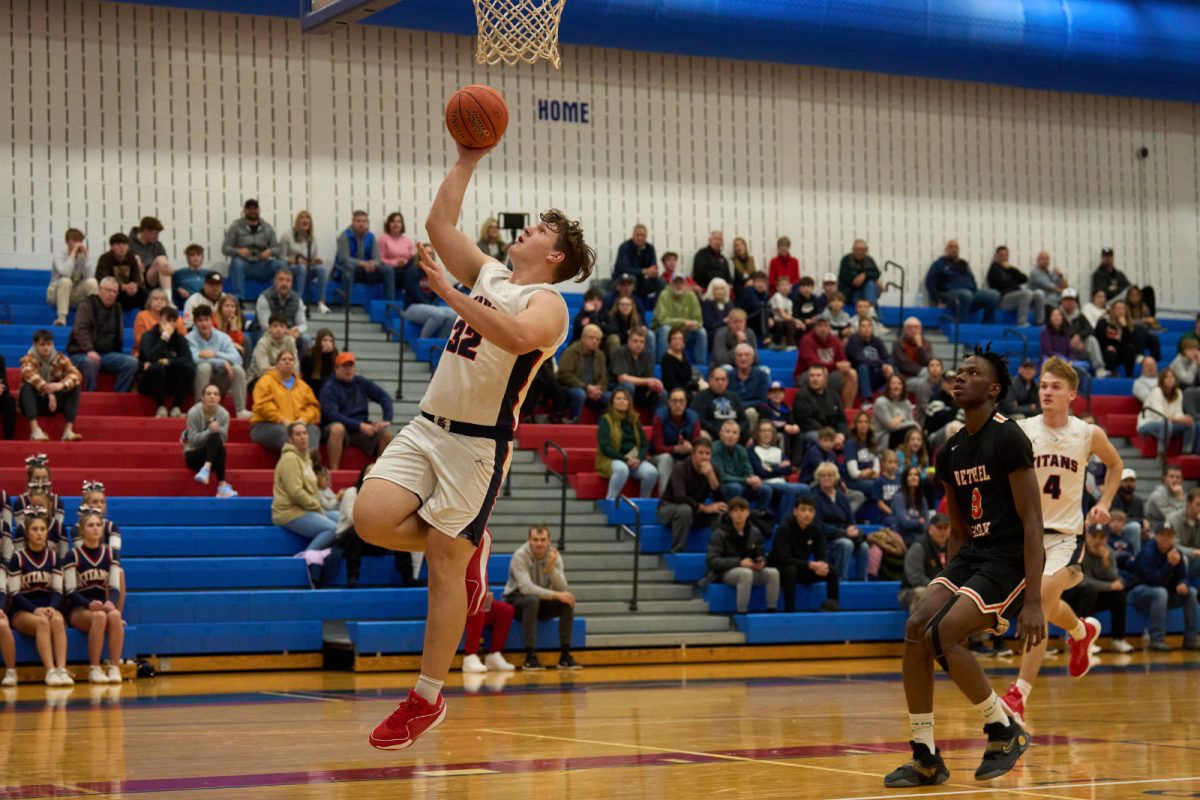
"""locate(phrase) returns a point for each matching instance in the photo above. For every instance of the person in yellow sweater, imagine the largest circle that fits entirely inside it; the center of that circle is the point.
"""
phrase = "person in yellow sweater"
(296, 503)
(281, 397)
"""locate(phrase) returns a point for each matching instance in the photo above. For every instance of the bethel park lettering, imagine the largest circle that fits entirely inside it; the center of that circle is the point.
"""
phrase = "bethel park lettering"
(564, 111)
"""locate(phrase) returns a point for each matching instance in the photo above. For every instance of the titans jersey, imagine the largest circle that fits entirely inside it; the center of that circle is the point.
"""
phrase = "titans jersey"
(91, 574)
(21, 502)
(478, 382)
(34, 580)
(112, 537)
(1060, 457)
(56, 540)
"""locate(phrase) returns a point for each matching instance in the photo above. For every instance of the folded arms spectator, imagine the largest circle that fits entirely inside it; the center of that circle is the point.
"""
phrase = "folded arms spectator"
(252, 249)
(344, 399)
(166, 364)
(281, 398)
(49, 383)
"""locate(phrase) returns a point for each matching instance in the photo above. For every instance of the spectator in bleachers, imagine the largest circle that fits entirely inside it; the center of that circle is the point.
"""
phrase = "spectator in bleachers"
(862, 457)
(1023, 400)
(8, 406)
(910, 511)
(151, 255)
(120, 264)
(1191, 336)
(590, 313)
(709, 262)
(1102, 588)
(1048, 280)
(636, 257)
(864, 310)
(924, 561)
(685, 503)
(815, 407)
(784, 264)
(278, 299)
(296, 504)
(72, 278)
(892, 416)
(1186, 524)
(252, 249)
(913, 453)
(749, 382)
(622, 447)
(674, 427)
(1162, 415)
(846, 545)
(1056, 336)
(1168, 497)
(737, 556)
(544, 393)
(49, 383)
(806, 306)
(345, 403)
(1096, 308)
(650, 288)
(217, 360)
(828, 290)
(421, 306)
(1161, 584)
(583, 371)
(317, 364)
(717, 405)
(820, 347)
(1139, 310)
(1146, 382)
(753, 298)
(1084, 344)
(96, 341)
(889, 481)
(680, 306)
(538, 590)
(870, 358)
(35, 592)
(149, 317)
(330, 500)
(396, 250)
(190, 281)
(298, 248)
(742, 264)
(490, 241)
(204, 440)
(950, 284)
(800, 556)
(167, 369)
(924, 390)
(772, 466)
(1186, 365)
(1008, 279)
(858, 274)
(776, 411)
(633, 371)
(623, 317)
(269, 348)
(732, 464)
(209, 295)
(91, 578)
(498, 615)
(358, 257)
(1117, 338)
(676, 371)
(911, 354)
(1136, 529)
(715, 307)
(1113, 283)
(823, 453)
(783, 325)
(227, 318)
(840, 322)
(281, 398)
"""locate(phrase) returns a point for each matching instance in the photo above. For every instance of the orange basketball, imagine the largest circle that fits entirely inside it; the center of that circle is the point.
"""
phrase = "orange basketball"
(477, 116)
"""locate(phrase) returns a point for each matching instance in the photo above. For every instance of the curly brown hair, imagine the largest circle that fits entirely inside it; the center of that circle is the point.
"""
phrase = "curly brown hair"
(579, 258)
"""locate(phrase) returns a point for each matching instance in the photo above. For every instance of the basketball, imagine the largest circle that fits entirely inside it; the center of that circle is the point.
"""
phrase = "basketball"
(477, 116)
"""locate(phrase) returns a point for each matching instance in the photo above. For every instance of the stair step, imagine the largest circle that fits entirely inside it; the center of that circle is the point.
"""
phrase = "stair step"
(599, 610)
(651, 623)
(614, 592)
(692, 639)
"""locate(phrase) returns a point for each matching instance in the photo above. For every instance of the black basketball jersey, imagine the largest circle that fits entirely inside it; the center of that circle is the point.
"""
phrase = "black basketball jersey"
(977, 469)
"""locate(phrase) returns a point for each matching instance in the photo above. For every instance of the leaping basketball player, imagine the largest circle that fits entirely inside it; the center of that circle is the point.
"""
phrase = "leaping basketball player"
(1062, 445)
(995, 555)
(433, 488)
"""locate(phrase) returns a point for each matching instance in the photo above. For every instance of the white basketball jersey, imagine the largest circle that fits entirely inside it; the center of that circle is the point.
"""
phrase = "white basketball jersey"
(1060, 458)
(478, 382)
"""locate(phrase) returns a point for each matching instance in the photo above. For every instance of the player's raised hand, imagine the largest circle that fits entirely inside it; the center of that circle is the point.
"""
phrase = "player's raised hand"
(473, 155)
(1031, 627)
(435, 272)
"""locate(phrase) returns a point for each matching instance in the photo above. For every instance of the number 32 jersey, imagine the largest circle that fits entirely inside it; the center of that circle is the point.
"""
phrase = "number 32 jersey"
(478, 382)
(1060, 457)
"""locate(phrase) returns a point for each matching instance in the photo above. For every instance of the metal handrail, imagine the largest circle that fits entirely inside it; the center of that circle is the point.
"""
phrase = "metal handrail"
(957, 304)
(634, 533)
(562, 477)
(345, 295)
(901, 287)
(1024, 341)
(1162, 451)
(398, 310)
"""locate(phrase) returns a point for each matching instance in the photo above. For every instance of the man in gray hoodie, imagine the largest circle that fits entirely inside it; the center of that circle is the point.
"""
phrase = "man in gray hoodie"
(537, 589)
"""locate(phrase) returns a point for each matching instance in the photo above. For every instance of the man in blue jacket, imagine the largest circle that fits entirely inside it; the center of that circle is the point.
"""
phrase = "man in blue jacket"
(951, 284)
(344, 405)
(1161, 577)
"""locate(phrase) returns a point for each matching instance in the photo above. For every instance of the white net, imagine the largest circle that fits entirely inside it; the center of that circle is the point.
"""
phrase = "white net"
(518, 30)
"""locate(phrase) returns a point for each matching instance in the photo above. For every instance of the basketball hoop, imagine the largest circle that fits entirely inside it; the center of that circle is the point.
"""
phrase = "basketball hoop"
(518, 30)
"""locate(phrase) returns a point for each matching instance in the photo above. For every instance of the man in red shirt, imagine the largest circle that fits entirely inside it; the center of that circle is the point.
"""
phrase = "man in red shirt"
(821, 347)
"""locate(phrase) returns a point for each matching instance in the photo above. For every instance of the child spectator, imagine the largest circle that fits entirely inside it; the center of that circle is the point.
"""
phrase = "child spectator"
(622, 447)
(92, 583)
(800, 556)
(737, 556)
(330, 501)
(498, 615)
(35, 591)
(167, 367)
(889, 482)
(839, 321)
(805, 307)
(269, 348)
(815, 456)
(775, 410)
(864, 310)
(768, 462)
(784, 264)
(190, 281)
(49, 383)
(204, 440)
(783, 324)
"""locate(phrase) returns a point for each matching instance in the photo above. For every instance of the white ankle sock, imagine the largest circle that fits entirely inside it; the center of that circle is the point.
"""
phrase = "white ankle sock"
(992, 710)
(1079, 631)
(428, 689)
(1024, 687)
(922, 729)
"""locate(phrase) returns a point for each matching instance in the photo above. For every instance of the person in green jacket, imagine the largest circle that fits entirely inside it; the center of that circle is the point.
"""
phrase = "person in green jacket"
(680, 306)
(732, 463)
(858, 275)
(622, 447)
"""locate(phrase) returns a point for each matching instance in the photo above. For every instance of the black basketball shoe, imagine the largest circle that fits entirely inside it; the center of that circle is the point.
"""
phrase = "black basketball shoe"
(925, 769)
(1005, 745)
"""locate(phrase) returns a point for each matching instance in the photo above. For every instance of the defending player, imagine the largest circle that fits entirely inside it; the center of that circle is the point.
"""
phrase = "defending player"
(1062, 445)
(995, 554)
(433, 488)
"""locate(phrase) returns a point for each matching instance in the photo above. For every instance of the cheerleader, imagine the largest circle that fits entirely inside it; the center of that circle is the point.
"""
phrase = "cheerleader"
(92, 582)
(35, 586)
(37, 476)
(56, 538)
(93, 497)
(8, 647)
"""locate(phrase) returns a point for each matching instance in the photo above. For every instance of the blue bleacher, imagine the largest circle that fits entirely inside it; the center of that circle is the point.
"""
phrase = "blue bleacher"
(854, 596)
(842, 626)
(227, 636)
(77, 650)
(408, 636)
(267, 606)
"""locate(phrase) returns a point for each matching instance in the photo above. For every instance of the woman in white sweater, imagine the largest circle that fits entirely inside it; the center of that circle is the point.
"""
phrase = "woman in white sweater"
(892, 415)
(1167, 400)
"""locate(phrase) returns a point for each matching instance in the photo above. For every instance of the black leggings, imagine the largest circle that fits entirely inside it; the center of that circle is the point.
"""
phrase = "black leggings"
(34, 403)
(8, 413)
(793, 573)
(161, 380)
(212, 452)
(1087, 600)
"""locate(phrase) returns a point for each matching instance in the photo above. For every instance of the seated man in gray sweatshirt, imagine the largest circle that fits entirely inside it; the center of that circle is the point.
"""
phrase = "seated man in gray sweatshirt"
(537, 589)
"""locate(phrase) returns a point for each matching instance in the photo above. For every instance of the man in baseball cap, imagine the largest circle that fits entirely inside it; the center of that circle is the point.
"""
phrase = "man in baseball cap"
(344, 403)
(209, 295)
(253, 251)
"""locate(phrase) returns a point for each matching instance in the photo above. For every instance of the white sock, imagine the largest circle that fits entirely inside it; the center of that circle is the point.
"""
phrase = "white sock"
(993, 711)
(428, 689)
(1079, 632)
(1024, 687)
(922, 729)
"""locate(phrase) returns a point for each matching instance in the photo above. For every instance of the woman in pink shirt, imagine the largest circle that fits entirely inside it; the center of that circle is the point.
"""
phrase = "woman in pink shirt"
(395, 249)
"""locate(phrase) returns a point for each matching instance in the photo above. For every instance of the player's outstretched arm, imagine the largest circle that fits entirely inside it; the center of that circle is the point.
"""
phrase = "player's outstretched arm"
(1024, 486)
(1112, 460)
(457, 250)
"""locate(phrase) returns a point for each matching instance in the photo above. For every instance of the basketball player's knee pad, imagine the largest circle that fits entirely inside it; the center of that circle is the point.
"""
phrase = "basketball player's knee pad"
(934, 631)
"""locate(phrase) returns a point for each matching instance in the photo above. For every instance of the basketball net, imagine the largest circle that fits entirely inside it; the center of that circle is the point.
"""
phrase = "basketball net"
(518, 30)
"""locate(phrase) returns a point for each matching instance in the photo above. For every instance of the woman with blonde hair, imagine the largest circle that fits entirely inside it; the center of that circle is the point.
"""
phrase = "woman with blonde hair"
(299, 248)
(742, 263)
(716, 305)
(490, 241)
(227, 317)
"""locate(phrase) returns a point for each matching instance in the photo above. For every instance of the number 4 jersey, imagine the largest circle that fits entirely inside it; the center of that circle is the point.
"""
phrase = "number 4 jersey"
(1060, 456)
(477, 381)
(977, 469)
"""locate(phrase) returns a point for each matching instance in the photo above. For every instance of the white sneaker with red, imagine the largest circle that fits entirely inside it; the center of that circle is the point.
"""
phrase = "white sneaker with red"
(414, 717)
(1082, 658)
(477, 576)
(1014, 703)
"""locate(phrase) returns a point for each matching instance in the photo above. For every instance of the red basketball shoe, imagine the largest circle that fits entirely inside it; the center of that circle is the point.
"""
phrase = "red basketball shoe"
(1082, 659)
(408, 722)
(1014, 704)
(477, 576)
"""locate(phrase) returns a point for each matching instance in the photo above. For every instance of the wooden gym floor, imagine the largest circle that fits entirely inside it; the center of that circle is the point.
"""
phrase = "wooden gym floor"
(821, 729)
